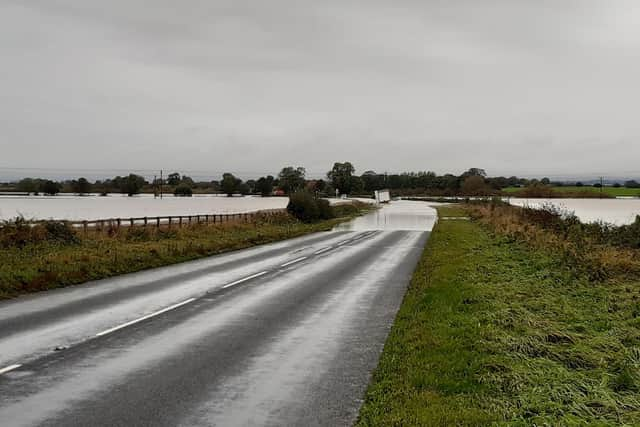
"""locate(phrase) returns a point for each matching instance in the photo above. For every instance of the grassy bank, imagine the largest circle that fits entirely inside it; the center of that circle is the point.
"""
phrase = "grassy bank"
(36, 259)
(497, 331)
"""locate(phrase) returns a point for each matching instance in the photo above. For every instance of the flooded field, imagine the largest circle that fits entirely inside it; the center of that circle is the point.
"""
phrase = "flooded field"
(76, 208)
(614, 211)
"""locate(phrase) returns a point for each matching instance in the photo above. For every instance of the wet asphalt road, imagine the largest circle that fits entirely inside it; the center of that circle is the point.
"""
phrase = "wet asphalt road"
(282, 334)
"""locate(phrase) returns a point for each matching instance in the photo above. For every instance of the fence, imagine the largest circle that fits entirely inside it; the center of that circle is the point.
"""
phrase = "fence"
(172, 220)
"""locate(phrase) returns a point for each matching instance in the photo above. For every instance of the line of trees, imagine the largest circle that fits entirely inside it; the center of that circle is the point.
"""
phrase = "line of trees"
(341, 179)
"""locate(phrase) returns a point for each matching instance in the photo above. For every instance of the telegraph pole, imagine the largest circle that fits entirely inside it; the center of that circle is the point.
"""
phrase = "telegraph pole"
(160, 183)
(601, 185)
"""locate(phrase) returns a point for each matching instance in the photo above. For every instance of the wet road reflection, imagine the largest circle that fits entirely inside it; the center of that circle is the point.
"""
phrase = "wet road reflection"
(282, 334)
(397, 216)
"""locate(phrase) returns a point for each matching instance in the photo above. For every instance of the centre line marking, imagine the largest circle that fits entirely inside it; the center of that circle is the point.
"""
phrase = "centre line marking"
(344, 242)
(302, 258)
(237, 282)
(148, 316)
(9, 368)
(322, 250)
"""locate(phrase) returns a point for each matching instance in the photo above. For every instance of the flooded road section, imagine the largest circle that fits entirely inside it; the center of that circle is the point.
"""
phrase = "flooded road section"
(281, 334)
(403, 215)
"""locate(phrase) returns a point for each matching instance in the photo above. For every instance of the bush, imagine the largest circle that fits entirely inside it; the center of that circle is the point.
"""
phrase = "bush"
(308, 208)
(61, 232)
(183, 191)
(325, 211)
(303, 206)
(19, 233)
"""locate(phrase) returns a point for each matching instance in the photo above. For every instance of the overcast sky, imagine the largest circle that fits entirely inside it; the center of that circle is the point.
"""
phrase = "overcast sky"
(515, 87)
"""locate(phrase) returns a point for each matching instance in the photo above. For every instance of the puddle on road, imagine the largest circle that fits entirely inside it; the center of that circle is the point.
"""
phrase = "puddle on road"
(398, 215)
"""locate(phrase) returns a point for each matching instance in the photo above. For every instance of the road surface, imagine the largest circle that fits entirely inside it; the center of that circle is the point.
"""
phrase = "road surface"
(282, 334)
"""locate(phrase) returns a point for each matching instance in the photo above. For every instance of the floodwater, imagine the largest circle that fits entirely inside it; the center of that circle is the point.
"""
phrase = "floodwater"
(613, 211)
(397, 215)
(78, 208)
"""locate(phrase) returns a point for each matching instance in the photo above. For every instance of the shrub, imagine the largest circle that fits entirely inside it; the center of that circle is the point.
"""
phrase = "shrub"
(19, 233)
(325, 211)
(61, 232)
(183, 191)
(304, 206)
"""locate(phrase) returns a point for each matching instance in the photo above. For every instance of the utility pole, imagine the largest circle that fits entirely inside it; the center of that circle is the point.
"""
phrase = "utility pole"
(155, 186)
(601, 185)
(160, 184)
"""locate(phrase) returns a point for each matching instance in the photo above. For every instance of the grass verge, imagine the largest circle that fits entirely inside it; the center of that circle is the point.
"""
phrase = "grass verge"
(55, 262)
(495, 332)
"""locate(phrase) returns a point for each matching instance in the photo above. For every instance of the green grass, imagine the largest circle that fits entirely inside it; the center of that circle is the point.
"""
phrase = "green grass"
(46, 265)
(611, 191)
(494, 333)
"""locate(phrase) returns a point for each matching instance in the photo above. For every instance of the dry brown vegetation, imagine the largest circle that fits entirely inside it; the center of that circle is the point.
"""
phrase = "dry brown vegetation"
(54, 254)
(599, 249)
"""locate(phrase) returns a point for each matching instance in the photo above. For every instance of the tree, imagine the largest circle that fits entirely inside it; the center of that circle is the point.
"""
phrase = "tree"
(291, 179)
(186, 180)
(632, 184)
(545, 181)
(264, 185)
(244, 189)
(50, 188)
(129, 185)
(27, 185)
(474, 186)
(183, 190)
(81, 186)
(174, 178)
(341, 177)
(474, 172)
(372, 181)
(229, 184)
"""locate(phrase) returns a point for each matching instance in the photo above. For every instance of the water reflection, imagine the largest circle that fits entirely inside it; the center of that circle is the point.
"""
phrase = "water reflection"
(398, 215)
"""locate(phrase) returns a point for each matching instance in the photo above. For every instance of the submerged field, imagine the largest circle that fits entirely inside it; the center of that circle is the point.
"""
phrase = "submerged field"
(498, 331)
(609, 191)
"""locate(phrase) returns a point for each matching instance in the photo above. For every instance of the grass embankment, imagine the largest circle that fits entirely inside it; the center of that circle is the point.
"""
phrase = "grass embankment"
(36, 259)
(588, 191)
(494, 331)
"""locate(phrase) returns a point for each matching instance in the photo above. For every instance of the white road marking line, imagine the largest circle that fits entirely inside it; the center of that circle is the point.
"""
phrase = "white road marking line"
(9, 368)
(148, 316)
(322, 250)
(302, 258)
(237, 282)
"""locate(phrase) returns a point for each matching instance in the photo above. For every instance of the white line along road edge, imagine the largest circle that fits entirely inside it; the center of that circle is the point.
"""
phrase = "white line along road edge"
(237, 282)
(9, 368)
(164, 310)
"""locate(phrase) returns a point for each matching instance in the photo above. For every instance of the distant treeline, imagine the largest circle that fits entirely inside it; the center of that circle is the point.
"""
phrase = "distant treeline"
(341, 179)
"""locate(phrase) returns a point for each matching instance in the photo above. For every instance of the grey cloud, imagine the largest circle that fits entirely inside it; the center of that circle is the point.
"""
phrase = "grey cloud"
(507, 85)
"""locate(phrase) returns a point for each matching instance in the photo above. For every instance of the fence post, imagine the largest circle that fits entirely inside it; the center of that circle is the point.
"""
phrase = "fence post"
(145, 221)
(84, 225)
(170, 222)
(157, 222)
(118, 222)
(130, 222)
